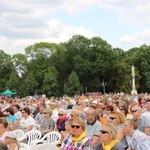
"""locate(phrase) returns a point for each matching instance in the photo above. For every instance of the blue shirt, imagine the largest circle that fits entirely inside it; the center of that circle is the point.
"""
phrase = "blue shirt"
(11, 118)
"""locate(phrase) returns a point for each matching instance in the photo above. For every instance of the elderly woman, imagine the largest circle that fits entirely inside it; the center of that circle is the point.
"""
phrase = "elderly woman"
(55, 111)
(109, 109)
(74, 113)
(99, 116)
(48, 123)
(136, 140)
(108, 138)
(61, 120)
(77, 139)
(118, 119)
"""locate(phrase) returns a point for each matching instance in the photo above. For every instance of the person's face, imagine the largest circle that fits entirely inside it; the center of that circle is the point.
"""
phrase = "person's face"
(133, 103)
(108, 111)
(24, 113)
(61, 115)
(15, 109)
(121, 110)
(76, 129)
(112, 119)
(7, 140)
(2, 126)
(46, 115)
(72, 115)
(121, 103)
(127, 127)
(41, 110)
(89, 115)
(148, 105)
(82, 104)
(52, 106)
(59, 105)
(104, 135)
(135, 112)
(114, 106)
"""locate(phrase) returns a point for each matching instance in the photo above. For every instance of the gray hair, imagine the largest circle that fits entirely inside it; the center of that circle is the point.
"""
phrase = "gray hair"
(63, 111)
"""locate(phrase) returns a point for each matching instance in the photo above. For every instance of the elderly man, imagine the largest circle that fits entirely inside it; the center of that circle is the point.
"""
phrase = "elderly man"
(48, 123)
(143, 119)
(92, 125)
(40, 115)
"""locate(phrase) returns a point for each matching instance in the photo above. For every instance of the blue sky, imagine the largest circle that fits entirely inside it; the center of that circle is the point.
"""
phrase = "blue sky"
(122, 23)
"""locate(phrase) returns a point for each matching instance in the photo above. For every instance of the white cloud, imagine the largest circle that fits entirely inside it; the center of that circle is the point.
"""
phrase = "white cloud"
(134, 12)
(55, 31)
(135, 40)
(26, 22)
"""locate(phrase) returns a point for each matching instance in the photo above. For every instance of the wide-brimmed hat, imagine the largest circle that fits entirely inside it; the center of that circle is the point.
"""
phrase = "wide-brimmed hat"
(11, 134)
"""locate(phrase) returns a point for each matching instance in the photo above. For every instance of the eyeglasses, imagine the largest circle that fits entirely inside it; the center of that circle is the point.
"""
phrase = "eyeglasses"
(75, 126)
(108, 109)
(133, 111)
(87, 113)
(104, 132)
(60, 114)
(112, 118)
(126, 125)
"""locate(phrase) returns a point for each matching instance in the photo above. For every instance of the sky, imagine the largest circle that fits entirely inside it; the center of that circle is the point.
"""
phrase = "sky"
(122, 23)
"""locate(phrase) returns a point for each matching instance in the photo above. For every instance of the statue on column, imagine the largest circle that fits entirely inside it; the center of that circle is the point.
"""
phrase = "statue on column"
(134, 91)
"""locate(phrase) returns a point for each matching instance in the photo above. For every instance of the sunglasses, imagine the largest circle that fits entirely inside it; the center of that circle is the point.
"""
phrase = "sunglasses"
(103, 132)
(133, 111)
(87, 113)
(108, 109)
(112, 118)
(75, 126)
(60, 114)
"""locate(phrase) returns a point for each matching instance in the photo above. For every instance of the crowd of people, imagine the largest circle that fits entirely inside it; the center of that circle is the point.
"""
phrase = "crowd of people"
(96, 122)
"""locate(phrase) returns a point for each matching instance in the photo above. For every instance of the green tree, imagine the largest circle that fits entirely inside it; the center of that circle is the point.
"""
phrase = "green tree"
(38, 56)
(30, 85)
(50, 83)
(13, 82)
(20, 64)
(143, 65)
(73, 85)
(6, 68)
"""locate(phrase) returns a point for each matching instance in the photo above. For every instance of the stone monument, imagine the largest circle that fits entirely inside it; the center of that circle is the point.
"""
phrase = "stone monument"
(134, 91)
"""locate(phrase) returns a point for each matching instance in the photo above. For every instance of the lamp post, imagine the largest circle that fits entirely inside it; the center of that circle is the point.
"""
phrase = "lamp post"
(104, 84)
(86, 89)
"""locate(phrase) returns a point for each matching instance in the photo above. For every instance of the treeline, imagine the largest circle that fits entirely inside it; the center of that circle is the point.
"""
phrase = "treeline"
(74, 67)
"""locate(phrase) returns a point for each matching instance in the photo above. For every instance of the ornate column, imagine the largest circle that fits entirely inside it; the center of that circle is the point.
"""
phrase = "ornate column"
(134, 91)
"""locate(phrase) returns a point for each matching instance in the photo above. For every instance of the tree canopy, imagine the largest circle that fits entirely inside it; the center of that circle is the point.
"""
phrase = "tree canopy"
(74, 67)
